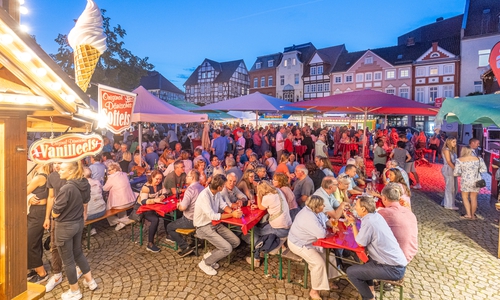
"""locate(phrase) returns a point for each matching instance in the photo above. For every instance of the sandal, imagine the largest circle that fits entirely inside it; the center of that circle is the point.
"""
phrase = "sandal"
(465, 217)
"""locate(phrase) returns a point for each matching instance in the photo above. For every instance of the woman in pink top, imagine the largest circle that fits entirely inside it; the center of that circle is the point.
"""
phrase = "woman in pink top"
(120, 195)
(280, 181)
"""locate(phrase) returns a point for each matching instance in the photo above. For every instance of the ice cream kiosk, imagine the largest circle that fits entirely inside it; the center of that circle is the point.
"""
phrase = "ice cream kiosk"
(35, 95)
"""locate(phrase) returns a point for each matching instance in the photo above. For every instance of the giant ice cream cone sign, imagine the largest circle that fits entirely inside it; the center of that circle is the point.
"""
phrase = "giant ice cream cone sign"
(88, 41)
(495, 60)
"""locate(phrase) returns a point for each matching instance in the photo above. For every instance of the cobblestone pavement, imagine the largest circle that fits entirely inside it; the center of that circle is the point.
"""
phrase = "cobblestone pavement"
(456, 260)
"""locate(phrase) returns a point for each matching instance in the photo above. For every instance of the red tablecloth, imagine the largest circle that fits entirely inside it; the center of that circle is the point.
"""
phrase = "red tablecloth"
(339, 240)
(251, 218)
(348, 147)
(168, 206)
(300, 150)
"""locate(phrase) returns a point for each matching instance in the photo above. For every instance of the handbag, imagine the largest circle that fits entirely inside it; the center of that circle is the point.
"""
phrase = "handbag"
(480, 183)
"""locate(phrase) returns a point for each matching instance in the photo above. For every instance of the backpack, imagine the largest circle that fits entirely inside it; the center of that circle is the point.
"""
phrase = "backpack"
(266, 244)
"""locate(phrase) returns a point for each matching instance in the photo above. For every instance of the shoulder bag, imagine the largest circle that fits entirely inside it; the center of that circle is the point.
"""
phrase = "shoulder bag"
(480, 183)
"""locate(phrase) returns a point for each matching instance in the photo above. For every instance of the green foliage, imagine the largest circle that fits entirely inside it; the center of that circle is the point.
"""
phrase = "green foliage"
(117, 67)
(474, 94)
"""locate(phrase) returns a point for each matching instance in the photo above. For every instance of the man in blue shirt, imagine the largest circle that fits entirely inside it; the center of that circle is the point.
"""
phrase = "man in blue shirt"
(98, 168)
(387, 260)
(219, 144)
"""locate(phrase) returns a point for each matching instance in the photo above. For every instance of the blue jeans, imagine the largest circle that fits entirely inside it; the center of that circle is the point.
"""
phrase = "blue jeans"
(179, 223)
(221, 237)
(96, 215)
(267, 230)
(362, 276)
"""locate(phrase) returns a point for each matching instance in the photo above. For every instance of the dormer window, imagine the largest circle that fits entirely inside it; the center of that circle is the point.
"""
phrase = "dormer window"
(320, 70)
(258, 65)
(368, 60)
(285, 63)
(435, 55)
(270, 63)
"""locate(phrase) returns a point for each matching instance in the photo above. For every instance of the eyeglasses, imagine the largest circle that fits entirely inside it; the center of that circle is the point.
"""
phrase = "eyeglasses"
(344, 176)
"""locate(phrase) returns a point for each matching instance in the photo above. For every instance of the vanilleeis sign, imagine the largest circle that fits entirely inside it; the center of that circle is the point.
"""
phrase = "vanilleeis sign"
(65, 148)
(116, 106)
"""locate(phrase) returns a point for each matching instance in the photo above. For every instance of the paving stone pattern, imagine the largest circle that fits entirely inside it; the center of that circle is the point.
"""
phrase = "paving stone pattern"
(456, 260)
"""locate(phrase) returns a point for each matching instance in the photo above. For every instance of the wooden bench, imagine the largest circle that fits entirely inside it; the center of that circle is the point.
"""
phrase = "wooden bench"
(109, 213)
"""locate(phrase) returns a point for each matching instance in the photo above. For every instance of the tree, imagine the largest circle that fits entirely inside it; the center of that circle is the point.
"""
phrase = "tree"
(117, 66)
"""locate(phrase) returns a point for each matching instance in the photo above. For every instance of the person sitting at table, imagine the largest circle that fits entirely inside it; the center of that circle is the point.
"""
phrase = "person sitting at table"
(341, 193)
(200, 166)
(188, 163)
(246, 184)
(360, 170)
(333, 208)
(260, 174)
(207, 209)
(152, 193)
(270, 162)
(387, 260)
(394, 164)
(198, 156)
(231, 194)
(282, 167)
(324, 165)
(187, 207)
(315, 174)
(350, 161)
(214, 168)
(304, 186)
(281, 182)
(353, 189)
(309, 226)
(177, 150)
(232, 168)
(252, 163)
(126, 159)
(120, 195)
(175, 181)
(291, 163)
(272, 200)
(401, 220)
(152, 157)
(96, 207)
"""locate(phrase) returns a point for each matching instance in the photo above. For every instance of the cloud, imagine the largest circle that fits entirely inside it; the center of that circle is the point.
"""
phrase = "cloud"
(273, 10)
(190, 69)
(182, 76)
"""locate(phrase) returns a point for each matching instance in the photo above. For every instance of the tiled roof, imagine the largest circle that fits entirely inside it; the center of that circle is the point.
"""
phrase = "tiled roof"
(193, 78)
(155, 81)
(329, 56)
(434, 31)
(276, 58)
(479, 20)
(225, 69)
(346, 60)
(306, 51)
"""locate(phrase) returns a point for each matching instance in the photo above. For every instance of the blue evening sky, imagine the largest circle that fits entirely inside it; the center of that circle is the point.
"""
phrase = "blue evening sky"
(177, 35)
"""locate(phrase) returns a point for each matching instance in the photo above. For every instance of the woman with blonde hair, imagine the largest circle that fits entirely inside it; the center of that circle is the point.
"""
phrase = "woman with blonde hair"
(449, 153)
(188, 164)
(200, 167)
(469, 167)
(273, 201)
(37, 205)
(120, 195)
(281, 182)
(283, 168)
(68, 213)
(324, 165)
(246, 184)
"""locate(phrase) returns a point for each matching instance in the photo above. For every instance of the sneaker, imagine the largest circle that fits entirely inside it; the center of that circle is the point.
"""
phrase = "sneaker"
(92, 285)
(93, 232)
(256, 262)
(39, 279)
(186, 252)
(417, 186)
(79, 272)
(206, 268)
(453, 208)
(53, 282)
(214, 265)
(153, 249)
(168, 239)
(120, 226)
(31, 274)
(70, 295)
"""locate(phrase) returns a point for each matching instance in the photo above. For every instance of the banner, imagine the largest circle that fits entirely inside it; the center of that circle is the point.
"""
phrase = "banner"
(65, 148)
(438, 102)
(117, 107)
(495, 60)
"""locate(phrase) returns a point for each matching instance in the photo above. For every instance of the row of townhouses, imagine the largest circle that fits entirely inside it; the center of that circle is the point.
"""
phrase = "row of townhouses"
(446, 58)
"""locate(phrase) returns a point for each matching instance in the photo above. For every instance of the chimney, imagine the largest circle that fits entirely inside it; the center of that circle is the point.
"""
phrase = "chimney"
(12, 8)
(439, 19)
(410, 41)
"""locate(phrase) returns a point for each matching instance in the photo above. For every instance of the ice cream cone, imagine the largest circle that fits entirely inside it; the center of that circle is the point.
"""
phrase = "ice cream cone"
(86, 58)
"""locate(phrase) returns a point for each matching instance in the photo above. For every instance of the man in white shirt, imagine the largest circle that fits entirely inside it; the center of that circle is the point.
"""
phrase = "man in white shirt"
(280, 143)
(207, 209)
(231, 194)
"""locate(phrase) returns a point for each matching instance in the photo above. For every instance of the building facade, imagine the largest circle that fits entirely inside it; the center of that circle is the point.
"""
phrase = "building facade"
(161, 87)
(263, 74)
(317, 72)
(289, 73)
(213, 82)
(480, 32)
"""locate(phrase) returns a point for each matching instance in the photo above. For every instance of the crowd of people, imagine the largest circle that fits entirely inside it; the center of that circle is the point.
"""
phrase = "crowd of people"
(242, 166)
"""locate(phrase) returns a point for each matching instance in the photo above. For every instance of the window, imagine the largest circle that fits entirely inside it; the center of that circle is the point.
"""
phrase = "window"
(478, 86)
(483, 57)
(420, 72)
(404, 93)
(209, 74)
(377, 76)
(348, 78)
(294, 61)
(448, 91)
(448, 69)
(433, 93)
(270, 63)
(255, 82)
(368, 60)
(296, 77)
(270, 81)
(313, 88)
(433, 71)
(262, 81)
(192, 90)
(390, 74)
(320, 70)
(204, 75)
(307, 88)
(368, 76)
(285, 62)
(313, 70)
(258, 65)
(320, 87)
(338, 79)
(282, 79)
(203, 89)
(404, 73)
(420, 94)
(435, 55)
(359, 77)
(326, 87)
(391, 91)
